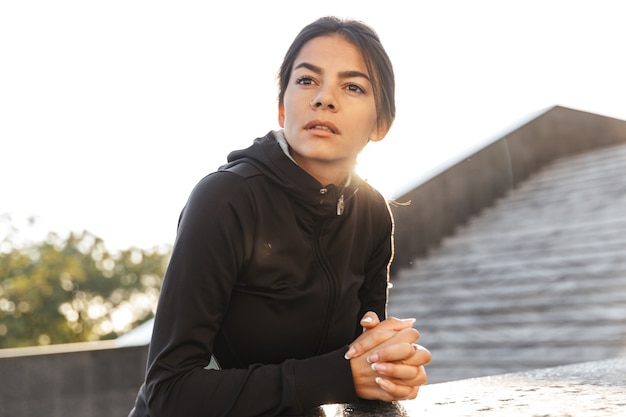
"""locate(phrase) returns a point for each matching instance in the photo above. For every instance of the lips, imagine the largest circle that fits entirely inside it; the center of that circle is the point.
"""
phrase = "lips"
(321, 125)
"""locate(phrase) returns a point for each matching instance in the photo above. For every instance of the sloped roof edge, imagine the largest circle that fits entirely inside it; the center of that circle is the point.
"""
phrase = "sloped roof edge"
(503, 133)
(431, 209)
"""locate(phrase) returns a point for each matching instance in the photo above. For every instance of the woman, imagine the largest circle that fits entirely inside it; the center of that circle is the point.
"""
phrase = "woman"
(279, 271)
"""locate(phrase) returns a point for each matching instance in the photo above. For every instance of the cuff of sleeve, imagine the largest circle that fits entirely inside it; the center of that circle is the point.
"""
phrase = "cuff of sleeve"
(324, 379)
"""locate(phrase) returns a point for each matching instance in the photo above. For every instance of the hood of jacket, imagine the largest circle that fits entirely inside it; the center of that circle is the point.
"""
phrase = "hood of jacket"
(267, 156)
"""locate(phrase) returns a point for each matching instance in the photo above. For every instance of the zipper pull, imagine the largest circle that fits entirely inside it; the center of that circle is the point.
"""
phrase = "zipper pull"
(340, 206)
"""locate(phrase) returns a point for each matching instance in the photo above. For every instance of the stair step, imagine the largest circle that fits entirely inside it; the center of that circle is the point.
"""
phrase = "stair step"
(536, 280)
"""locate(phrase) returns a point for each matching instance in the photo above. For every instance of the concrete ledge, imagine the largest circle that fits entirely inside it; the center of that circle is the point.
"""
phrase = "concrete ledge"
(59, 348)
(93, 380)
(591, 389)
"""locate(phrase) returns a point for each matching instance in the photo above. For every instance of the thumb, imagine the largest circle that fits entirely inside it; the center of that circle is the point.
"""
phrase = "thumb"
(369, 320)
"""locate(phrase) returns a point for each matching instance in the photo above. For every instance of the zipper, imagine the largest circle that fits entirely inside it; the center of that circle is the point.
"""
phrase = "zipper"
(340, 206)
(331, 285)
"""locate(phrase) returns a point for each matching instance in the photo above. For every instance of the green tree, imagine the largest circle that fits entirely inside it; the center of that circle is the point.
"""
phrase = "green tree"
(72, 289)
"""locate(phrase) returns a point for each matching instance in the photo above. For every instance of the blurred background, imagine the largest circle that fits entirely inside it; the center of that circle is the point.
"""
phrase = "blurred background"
(111, 112)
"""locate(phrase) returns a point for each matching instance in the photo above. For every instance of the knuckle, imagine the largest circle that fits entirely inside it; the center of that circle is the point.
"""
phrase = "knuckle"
(422, 376)
(415, 373)
(409, 334)
(358, 346)
(413, 333)
(381, 336)
(395, 323)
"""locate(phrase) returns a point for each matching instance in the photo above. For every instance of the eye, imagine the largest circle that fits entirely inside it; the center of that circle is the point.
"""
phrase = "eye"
(304, 80)
(355, 88)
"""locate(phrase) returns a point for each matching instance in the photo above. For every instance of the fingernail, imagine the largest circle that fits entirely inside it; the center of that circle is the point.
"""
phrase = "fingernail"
(349, 353)
(373, 358)
(379, 367)
(409, 320)
(367, 319)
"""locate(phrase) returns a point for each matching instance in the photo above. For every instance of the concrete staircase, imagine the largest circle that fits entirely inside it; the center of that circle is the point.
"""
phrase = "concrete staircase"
(536, 280)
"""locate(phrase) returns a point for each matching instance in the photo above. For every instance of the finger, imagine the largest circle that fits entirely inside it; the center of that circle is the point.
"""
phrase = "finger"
(397, 392)
(397, 371)
(418, 380)
(369, 320)
(397, 352)
(371, 339)
(422, 356)
(394, 323)
(418, 356)
(402, 374)
(368, 341)
(396, 348)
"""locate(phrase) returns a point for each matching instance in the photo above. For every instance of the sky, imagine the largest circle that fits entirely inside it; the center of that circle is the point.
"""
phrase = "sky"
(110, 112)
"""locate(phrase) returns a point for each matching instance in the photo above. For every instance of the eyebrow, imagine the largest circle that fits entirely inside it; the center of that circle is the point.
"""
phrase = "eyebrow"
(342, 74)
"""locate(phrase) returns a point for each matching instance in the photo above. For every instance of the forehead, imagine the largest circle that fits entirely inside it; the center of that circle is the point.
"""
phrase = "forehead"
(332, 50)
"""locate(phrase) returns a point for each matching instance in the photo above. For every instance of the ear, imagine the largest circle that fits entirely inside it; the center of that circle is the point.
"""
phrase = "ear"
(281, 115)
(379, 132)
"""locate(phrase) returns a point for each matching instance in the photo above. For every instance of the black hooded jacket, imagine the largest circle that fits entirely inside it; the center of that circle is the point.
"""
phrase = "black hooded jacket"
(270, 273)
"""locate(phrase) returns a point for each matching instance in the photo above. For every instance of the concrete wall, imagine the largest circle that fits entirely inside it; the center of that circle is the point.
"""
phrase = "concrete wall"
(99, 379)
(440, 205)
(81, 380)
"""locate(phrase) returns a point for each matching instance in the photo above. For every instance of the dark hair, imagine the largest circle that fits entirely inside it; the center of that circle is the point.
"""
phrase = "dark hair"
(376, 60)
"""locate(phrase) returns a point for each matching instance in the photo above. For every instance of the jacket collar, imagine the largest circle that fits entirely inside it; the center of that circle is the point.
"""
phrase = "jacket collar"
(282, 141)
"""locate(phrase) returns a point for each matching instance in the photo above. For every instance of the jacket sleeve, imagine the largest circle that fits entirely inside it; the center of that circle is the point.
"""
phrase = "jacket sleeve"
(215, 231)
(373, 294)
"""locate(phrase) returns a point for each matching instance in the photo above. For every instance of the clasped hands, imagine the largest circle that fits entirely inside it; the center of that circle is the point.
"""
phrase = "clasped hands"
(386, 362)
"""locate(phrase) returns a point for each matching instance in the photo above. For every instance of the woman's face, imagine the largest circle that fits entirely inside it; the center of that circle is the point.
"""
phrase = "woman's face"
(329, 112)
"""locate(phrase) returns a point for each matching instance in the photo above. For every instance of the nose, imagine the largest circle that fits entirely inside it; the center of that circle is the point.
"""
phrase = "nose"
(320, 104)
(323, 99)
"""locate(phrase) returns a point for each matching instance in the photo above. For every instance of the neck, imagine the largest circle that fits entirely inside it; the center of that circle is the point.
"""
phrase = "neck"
(326, 173)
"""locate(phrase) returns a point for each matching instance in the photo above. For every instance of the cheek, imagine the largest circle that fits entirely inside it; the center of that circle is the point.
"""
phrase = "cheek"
(290, 112)
(370, 123)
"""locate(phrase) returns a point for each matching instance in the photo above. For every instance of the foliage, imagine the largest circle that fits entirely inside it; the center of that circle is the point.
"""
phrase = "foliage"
(72, 289)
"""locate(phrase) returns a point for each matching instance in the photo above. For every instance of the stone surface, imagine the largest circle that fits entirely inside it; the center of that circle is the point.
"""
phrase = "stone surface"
(591, 389)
